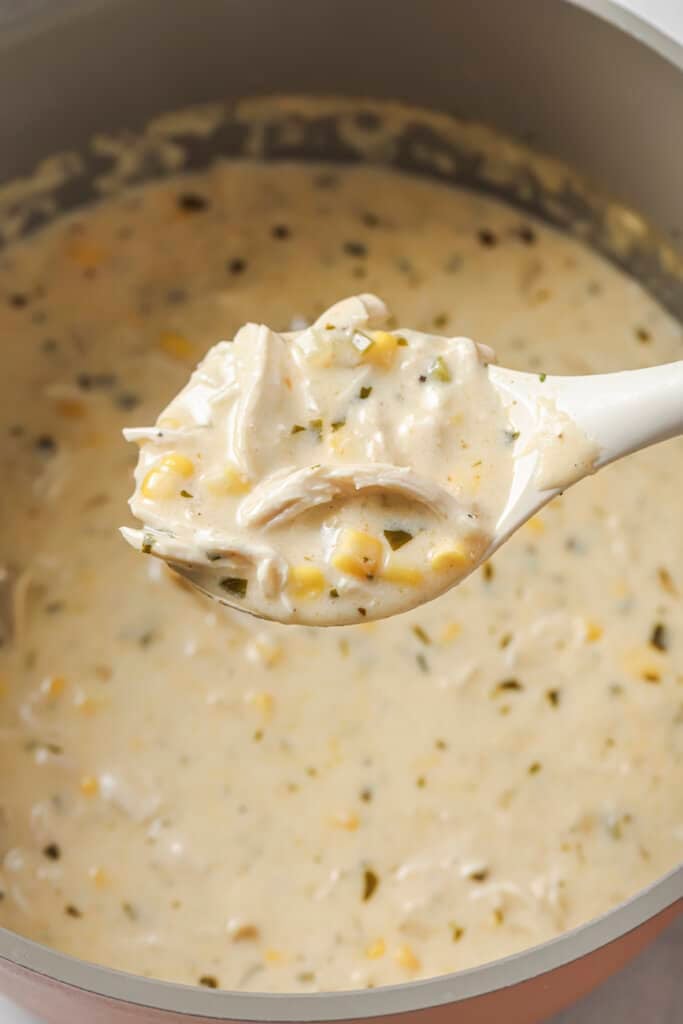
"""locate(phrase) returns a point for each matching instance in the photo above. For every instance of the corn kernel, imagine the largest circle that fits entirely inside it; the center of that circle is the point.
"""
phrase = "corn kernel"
(53, 686)
(450, 632)
(84, 253)
(449, 558)
(382, 351)
(645, 664)
(402, 575)
(406, 958)
(174, 462)
(594, 631)
(358, 554)
(266, 651)
(177, 346)
(99, 877)
(376, 949)
(89, 785)
(162, 480)
(347, 820)
(536, 526)
(305, 581)
(70, 408)
(262, 701)
(227, 482)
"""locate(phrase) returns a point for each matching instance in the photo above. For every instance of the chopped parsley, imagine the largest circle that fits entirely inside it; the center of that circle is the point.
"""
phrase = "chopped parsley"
(397, 538)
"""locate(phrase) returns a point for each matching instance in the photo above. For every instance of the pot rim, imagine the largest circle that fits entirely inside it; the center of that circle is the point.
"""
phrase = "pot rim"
(406, 997)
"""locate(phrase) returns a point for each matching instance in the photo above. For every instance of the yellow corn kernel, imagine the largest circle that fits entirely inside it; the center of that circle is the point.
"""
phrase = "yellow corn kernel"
(305, 581)
(347, 820)
(262, 701)
(402, 575)
(645, 664)
(536, 526)
(54, 686)
(86, 705)
(406, 958)
(267, 651)
(382, 351)
(450, 557)
(174, 462)
(594, 631)
(177, 346)
(376, 949)
(162, 480)
(89, 785)
(70, 408)
(84, 253)
(450, 632)
(227, 482)
(99, 877)
(358, 554)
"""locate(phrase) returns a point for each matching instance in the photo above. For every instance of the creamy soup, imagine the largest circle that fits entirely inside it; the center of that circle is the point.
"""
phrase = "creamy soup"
(195, 795)
(289, 470)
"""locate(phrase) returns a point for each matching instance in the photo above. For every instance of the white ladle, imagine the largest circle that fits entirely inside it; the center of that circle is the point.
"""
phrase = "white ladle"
(619, 413)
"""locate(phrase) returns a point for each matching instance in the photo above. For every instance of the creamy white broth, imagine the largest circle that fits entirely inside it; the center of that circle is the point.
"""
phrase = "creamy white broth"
(202, 797)
(291, 469)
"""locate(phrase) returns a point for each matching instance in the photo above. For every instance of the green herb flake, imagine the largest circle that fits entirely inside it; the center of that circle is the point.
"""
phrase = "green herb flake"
(543, 377)
(186, 494)
(297, 429)
(365, 392)
(511, 436)
(659, 638)
(439, 371)
(337, 425)
(401, 342)
(507, 686)
(422, 634)
(234, 585)
(397, 538)
(208, 981)
(422, 662)
(534, 768)
(213, 556)
(148, 542)
(316, 427)
(370, 883)
(553, 697)
(334, 593)
(457, 931)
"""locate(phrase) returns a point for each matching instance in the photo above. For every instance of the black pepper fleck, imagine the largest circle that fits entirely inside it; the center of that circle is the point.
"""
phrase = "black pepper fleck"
(487, 238)
(280, 231)
(192, 202)
(52, 851)
(237, 266)
(357, 249)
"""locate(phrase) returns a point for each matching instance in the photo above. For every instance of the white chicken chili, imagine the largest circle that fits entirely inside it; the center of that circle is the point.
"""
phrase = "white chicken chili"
(192, 794)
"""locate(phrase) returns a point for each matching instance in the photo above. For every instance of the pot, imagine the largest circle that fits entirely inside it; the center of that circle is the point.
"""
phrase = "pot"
(584, 82)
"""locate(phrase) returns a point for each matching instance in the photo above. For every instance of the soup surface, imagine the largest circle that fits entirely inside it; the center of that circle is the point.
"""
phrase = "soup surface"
(195, 795)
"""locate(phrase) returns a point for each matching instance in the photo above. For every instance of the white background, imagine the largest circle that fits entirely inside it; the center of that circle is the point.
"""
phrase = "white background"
(668, 16)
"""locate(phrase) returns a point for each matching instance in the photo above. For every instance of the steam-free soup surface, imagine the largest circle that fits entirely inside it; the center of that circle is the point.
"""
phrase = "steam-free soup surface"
(195, 795)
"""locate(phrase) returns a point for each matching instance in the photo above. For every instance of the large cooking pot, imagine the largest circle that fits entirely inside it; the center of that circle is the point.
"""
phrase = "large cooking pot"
(584, 82)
